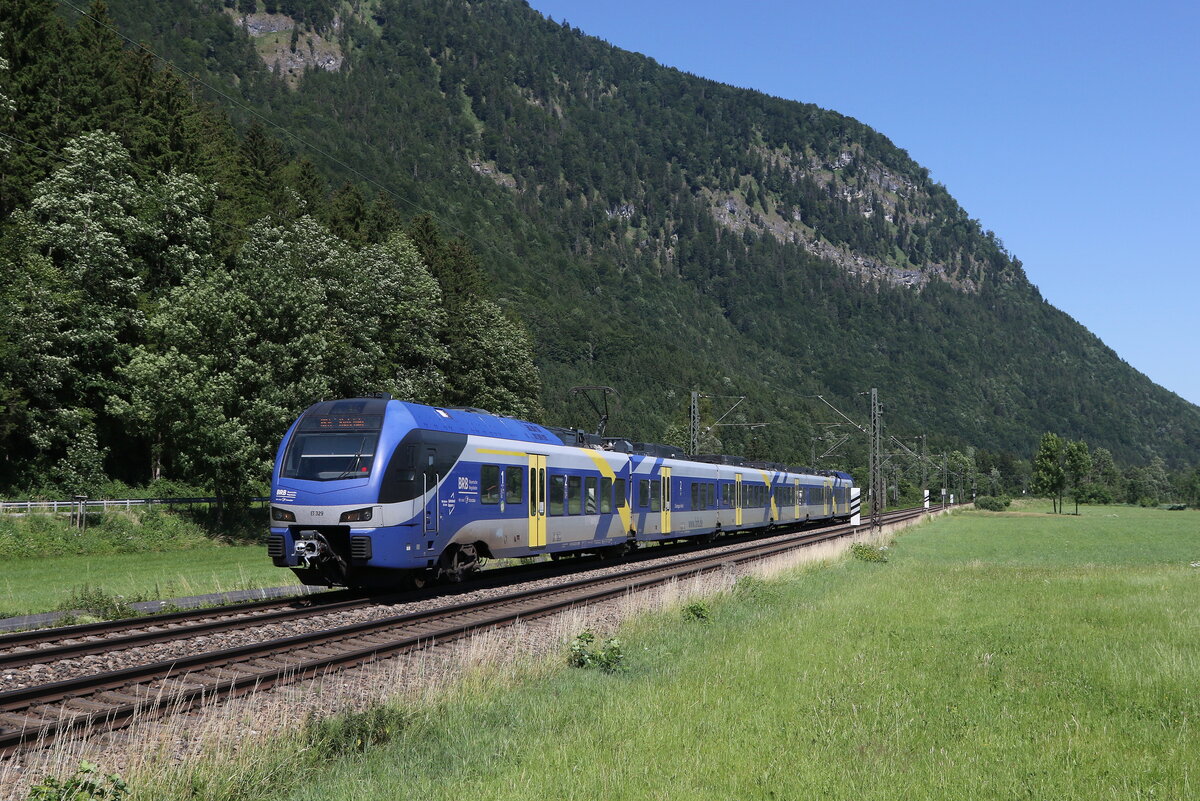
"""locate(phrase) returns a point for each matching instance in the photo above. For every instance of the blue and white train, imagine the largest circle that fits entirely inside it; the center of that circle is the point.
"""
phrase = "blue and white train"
(375, 492)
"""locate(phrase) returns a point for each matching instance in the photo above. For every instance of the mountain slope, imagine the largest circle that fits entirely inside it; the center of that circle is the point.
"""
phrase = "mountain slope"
(660, 232)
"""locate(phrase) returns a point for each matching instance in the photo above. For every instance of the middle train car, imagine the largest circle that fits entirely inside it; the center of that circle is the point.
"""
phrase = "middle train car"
(363, 488)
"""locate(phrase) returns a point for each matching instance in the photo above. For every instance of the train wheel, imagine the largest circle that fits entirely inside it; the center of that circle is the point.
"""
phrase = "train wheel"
(458, 561)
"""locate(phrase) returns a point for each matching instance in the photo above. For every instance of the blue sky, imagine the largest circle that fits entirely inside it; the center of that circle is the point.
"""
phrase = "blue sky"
(1072, 130)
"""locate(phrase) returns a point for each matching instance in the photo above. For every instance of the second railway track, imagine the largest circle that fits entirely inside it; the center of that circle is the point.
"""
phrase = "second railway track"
(38, 714)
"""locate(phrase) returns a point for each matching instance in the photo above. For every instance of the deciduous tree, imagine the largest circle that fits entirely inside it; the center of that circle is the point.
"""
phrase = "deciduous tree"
(1049, 478)
(1077, 464)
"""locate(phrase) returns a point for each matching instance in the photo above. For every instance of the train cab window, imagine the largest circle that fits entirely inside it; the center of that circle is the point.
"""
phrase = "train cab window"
(558, 486)
(606, 505)
(644, 494)
(513, 489)
(330, 455)
(589, 495)
(489, 484)
(619, 491)
(655, 496)
(574, 495)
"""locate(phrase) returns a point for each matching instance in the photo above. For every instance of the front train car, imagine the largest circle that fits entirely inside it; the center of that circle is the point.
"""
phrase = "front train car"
(371, 492)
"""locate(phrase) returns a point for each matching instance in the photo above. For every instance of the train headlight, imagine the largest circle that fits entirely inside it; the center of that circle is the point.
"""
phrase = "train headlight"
(357, 516)
(282, 515)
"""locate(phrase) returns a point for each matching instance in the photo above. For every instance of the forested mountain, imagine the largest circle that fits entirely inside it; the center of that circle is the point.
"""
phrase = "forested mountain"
(654, 231)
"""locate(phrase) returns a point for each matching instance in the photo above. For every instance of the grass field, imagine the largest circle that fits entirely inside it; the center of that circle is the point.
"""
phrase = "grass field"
(42, 584)
(994, 656)
(142, 555)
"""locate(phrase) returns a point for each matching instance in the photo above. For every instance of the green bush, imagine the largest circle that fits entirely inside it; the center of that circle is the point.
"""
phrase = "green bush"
(609, 657)
(697, 611)
(1095, 493)
(138, 530)
(87, 783)
(993, 503)
(869, 553)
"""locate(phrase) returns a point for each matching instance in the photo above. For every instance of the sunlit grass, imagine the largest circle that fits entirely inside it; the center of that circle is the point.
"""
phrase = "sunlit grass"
(42, 584)
(993, 656)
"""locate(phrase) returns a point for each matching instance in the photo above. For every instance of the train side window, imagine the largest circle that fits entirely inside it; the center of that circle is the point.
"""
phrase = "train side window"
(643, 493)
(489, 484)
(695, 496)
(619, 491)
(606, 506)
(655, 496)
(712, 496)
(513, 491)
(558, 486)
(589, 495)
(574, 495)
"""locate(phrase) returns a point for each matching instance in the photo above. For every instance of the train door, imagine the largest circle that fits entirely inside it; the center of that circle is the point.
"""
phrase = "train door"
(796, 497)
(432, 481)
(737, 500)
(829, 503)
(666, 500)
(537, 500)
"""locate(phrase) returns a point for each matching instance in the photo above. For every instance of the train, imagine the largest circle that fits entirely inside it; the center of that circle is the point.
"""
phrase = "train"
(380, 493)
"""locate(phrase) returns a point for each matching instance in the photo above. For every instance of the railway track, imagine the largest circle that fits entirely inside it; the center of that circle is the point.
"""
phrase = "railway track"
(34, 716)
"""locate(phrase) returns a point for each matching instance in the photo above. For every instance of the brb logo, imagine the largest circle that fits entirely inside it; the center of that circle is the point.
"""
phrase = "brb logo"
(285, 495)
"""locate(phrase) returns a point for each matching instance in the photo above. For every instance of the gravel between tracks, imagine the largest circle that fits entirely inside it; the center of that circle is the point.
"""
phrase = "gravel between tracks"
(226, 727)
(45, 673)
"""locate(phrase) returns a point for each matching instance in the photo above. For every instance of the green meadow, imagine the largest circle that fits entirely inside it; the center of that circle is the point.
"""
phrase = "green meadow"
(995, 655)
(143, 555)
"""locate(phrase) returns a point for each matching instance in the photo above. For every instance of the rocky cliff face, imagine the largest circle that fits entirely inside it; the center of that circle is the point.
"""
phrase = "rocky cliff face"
(288, 48)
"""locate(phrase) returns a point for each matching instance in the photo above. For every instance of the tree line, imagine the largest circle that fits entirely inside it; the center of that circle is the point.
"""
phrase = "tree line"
(174, 292)
(1069, 467)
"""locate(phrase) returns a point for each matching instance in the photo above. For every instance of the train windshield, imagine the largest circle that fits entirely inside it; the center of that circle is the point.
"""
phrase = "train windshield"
(330, 455)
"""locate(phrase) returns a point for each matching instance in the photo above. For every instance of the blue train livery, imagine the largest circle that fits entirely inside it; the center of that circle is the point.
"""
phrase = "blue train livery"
(375, 492)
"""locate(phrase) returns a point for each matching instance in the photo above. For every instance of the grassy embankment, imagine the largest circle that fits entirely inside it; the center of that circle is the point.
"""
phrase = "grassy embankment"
(994, 656)
(140, 555)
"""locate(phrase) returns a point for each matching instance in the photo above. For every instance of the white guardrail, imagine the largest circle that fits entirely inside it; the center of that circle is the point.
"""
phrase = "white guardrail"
(53, 507)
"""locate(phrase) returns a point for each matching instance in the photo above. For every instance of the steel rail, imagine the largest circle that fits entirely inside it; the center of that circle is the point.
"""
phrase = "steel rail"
(39, 636)
(39, 714)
